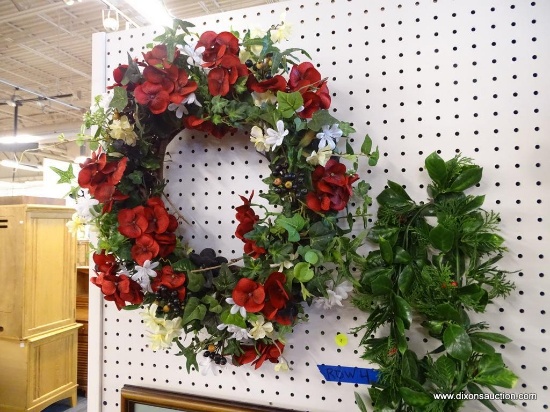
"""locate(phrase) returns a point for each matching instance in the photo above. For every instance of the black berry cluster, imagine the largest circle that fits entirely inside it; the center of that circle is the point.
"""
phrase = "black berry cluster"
(168, 302)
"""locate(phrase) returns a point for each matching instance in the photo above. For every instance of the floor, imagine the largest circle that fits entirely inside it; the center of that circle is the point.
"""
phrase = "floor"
(64, 406)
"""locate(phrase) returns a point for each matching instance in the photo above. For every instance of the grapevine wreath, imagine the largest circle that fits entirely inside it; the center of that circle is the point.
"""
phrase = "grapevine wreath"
(296, 252)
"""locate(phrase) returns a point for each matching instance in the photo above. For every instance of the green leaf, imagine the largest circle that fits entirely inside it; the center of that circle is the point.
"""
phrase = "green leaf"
(401, 256)
(321, 118)
(493, 337)
(398, 189)
(457, 342)
(193, 310)
(226, 280)
(415, 398)
(399, 335)
(312, 256)
(232, 319)
(360, 404)
(292, 225)
(473, 204)
(131, 307)
(405, 280)
(289, 103)
(390, 198)
(367, 145)
(65, 176)
(409, 365)
(491, 371)
(445, 311)
(195, 281)
(120, 99)
(436, 168)
(473, 388)
(382, 285)
(213, 304)
(373, 157)
(446, 367)
(346, 128)
(190, 356)
(386, 250)
(403, 310)
(303, 272)
(466, 179)
(442, 238)
(320, 235)
(480, 346)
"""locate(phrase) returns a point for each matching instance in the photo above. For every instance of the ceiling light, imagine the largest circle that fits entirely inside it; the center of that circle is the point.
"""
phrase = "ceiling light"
(70, 2)
(12, 164)
(152, 10)
(22, 138)
(110, 20)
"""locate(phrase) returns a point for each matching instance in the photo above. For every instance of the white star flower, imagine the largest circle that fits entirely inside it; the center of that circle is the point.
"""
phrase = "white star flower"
(208, 365)
(195, 55)
(181, 108)
(275, 137)
(84, 208)
(335, 295)
(320, 157)
(238, 333)
(260, 328)
(236, 308)
(144, 274)
(329, 136)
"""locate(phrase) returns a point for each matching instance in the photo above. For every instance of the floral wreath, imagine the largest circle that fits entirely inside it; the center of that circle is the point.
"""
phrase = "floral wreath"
(295, 255)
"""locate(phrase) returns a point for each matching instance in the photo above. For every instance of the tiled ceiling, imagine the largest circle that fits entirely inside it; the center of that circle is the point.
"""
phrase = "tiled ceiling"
(45, 51)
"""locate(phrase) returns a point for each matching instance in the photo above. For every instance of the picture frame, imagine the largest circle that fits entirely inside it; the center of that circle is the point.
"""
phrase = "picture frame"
(139, 399)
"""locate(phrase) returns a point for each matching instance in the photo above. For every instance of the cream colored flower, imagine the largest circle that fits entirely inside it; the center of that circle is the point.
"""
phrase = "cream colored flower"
(123, 130)
(172, 329)
(260, 328)
(76, 224)
(282, 32)
(282, 366)
(321, 157)
(150, 319)
(257, 33)
(257, 137)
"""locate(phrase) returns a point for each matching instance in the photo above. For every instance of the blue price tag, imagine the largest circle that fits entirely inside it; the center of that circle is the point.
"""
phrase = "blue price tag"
(349, 374)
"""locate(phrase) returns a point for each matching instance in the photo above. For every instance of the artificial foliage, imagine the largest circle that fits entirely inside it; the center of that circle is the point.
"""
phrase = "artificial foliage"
(297, 250)
(435, 268)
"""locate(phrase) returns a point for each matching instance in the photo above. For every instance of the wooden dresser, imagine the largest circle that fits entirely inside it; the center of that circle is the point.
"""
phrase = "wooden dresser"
(38, 331)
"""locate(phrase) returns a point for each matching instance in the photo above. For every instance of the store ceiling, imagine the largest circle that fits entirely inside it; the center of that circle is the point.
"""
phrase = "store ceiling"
(46, 51)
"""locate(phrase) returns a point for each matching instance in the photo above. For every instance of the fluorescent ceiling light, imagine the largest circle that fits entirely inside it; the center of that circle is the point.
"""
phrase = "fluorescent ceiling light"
(22, 138)
(152, 10)
(12, 164)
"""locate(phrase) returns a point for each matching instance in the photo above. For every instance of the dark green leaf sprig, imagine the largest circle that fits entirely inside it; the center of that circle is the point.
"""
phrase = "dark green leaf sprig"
(436, 263)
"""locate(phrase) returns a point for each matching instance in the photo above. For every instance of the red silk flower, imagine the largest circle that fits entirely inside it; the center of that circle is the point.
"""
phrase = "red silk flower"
(332, 187)
(247, 217)
(305, 79)
(267, 352)
(174, 281)
(249, 294)
(276, 298)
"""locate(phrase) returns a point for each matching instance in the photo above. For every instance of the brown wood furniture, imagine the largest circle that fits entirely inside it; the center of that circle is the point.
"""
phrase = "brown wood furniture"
(38, 332)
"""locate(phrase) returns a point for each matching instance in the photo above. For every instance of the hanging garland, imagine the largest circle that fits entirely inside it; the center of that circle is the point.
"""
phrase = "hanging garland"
(294, 255)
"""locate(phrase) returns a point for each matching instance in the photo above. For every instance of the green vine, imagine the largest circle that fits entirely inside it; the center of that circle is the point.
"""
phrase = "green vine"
(435, 264)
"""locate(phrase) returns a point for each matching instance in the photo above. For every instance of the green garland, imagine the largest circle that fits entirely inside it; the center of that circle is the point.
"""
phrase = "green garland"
(435, 264)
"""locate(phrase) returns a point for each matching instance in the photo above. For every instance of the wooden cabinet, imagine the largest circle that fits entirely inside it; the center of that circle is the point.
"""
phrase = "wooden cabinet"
(38, 371)
(82, 282)
(38, 332)
(37, 270)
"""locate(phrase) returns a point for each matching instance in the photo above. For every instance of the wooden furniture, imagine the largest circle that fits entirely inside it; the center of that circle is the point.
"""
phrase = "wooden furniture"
(38, 332)
(82, 282)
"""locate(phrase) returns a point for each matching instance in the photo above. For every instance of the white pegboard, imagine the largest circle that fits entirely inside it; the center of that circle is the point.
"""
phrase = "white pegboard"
(469, 77)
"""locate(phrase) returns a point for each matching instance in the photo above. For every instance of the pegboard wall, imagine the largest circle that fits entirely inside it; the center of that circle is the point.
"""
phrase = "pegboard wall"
(463, 76)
